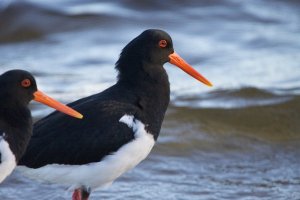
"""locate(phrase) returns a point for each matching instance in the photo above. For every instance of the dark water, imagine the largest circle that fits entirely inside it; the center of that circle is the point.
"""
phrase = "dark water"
(237, 140)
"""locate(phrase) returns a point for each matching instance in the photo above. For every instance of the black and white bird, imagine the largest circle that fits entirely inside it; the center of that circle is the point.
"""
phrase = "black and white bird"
(120, 127)
(17, 89)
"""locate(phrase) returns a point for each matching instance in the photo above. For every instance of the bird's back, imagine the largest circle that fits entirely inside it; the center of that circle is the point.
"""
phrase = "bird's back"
(63, 140)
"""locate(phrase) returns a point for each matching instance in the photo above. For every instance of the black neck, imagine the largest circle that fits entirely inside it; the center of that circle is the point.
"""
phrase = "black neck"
(16, 122)
(150, 85)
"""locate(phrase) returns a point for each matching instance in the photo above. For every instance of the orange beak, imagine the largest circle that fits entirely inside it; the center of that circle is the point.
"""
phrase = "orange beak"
(45, 99)
(175, 59)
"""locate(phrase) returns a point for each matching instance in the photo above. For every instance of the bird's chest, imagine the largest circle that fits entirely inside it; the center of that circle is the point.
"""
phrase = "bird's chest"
(132, 153)
(7, 159)
(126, 157)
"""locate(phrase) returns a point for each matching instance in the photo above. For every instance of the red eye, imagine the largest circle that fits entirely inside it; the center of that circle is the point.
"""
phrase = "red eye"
(26, 83)
(162, 43)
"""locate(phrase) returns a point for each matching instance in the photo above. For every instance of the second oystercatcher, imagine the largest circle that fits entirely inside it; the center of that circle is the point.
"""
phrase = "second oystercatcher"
(17, 89)
(120, 127)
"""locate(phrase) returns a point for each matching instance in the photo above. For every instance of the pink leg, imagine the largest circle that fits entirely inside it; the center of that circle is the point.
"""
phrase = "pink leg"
(81, 194)
(77, 194)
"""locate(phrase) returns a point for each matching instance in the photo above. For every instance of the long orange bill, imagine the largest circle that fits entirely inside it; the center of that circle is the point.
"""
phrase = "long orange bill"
(175, 59)
(45, 99)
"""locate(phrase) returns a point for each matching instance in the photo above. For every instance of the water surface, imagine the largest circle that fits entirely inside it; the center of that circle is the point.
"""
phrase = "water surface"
(237, 140)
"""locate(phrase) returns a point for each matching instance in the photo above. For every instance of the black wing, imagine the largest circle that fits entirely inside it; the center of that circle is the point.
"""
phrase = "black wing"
(61, 139)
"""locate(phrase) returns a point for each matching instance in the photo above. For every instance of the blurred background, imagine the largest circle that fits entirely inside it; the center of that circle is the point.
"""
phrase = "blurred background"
(237, 140)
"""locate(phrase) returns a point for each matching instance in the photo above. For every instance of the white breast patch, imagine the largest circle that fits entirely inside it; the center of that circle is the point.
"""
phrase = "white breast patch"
(8, 159)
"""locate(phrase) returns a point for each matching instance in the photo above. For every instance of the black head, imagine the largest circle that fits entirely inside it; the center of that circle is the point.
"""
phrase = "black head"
(148, 50)
(153, 46)
(18, 86)
(147, 53)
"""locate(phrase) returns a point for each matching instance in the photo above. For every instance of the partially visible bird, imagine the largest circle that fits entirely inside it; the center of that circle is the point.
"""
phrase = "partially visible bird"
(17, 89)
(120, 127)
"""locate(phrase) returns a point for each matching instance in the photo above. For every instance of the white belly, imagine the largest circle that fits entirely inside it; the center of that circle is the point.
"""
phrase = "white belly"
(98, 174)
(8, 160)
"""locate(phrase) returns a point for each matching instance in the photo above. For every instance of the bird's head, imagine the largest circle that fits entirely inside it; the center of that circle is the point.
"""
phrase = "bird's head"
(19, 87)
(153, 48)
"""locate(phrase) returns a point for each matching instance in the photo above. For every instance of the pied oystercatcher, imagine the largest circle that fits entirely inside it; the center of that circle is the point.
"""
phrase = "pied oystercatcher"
(120, 127)
(17, 89)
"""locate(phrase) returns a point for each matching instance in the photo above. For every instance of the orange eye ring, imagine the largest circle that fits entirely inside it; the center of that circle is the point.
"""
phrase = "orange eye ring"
(26, 83)
(162, 43)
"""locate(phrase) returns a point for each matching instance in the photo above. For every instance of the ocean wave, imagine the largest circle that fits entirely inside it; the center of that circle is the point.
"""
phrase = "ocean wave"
(27, 21)
(236, 98)
(276, 121)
